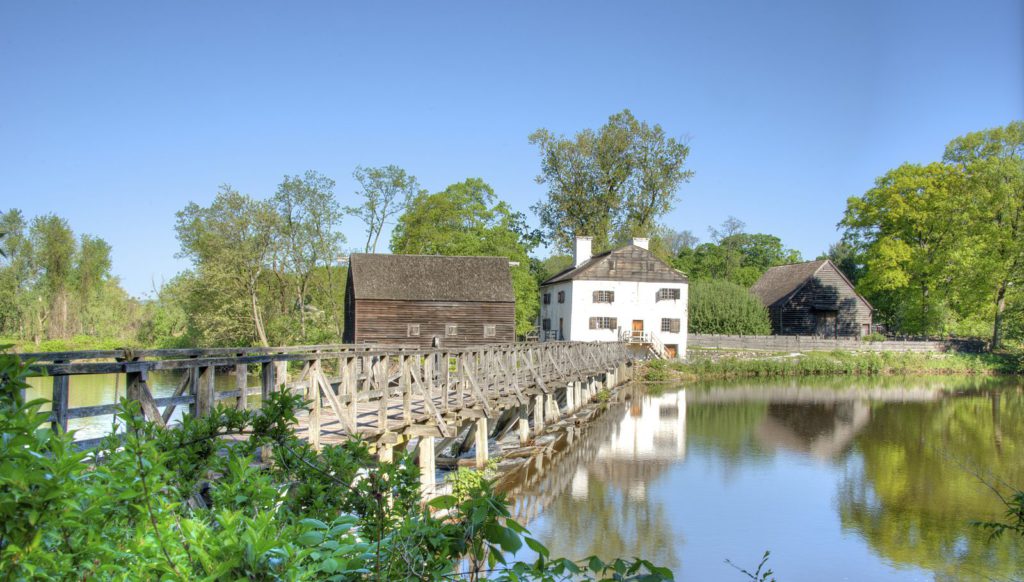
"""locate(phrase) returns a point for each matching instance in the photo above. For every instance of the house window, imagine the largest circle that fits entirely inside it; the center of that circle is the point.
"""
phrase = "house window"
(603, 323)
(547, 299)
(451, 330)
(670, 325)
(668, 294)
(561, 296)
(490, 330)
(604, 296)
(545, 325)
(414, 330)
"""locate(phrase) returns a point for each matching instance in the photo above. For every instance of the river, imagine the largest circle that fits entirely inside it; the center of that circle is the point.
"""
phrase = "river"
(841, 479)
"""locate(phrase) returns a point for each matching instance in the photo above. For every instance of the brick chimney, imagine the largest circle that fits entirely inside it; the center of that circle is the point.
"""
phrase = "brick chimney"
(583, 250)
(641, 242)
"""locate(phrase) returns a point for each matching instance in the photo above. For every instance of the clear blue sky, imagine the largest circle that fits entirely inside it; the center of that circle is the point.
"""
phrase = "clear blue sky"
(116, 114)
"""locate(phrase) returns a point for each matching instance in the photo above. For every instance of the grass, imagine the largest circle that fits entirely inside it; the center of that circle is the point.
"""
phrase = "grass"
(839, 363)
(76, 343)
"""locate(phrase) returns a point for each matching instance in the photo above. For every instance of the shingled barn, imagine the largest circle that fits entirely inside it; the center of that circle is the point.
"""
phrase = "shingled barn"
(424, 300)
(813, 298)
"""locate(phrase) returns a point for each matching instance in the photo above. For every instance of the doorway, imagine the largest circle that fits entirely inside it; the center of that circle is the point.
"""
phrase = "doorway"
(638, 328)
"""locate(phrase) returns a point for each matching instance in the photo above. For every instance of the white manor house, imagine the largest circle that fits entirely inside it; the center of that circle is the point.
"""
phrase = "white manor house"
(626, 293)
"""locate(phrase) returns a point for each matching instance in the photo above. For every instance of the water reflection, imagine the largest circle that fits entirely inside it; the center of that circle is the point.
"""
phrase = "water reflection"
(99, 389)
(857, 480)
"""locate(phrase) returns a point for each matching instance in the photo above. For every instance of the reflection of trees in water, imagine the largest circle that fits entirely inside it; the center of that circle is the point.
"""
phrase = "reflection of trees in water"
(912, 500)
(725, 430)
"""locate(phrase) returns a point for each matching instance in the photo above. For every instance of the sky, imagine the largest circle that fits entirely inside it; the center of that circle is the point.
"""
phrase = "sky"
(115, 115)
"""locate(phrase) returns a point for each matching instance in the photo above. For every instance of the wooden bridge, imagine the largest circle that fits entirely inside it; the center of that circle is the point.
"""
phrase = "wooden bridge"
(386, 395)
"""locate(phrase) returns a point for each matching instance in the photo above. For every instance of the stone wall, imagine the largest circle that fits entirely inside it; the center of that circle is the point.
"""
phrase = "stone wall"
(799, 343)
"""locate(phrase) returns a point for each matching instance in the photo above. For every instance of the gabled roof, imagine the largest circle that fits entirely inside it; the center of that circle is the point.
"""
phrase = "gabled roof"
(780, 283)
(629, 263)
(431, 278)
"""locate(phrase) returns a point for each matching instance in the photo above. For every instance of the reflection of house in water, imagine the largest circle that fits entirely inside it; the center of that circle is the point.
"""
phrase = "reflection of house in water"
(648, 439)
(822, 430)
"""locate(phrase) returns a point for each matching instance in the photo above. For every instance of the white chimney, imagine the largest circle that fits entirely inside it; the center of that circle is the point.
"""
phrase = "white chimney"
(583, 250)
(641, 242)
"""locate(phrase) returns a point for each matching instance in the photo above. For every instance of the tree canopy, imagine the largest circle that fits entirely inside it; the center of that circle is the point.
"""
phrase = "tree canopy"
(467, 219)
(611, 183)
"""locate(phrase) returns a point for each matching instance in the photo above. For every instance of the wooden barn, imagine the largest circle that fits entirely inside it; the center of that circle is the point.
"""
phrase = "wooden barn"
(425, 300)
(813, 298)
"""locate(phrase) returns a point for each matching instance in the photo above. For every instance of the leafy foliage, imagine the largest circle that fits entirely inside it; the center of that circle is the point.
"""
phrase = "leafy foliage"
(610, 184)
(732, 255)
(467, 219)
(189, 504)
(717, 306)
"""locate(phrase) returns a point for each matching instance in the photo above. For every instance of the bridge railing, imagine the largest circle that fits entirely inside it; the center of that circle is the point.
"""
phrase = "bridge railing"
(367, 389)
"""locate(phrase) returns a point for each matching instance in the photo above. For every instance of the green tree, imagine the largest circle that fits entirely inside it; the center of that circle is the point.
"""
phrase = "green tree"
(467, 219)
(909, 227)
(53, 250)
(15, 275)
(309, 217)
(385, 192)
(733, 255)
(993, 162)
(229, 242)
(91, 271)
(610, 184)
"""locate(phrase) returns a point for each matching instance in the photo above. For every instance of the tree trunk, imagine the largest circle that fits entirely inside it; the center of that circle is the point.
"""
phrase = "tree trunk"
(257, 320)
(997, 328)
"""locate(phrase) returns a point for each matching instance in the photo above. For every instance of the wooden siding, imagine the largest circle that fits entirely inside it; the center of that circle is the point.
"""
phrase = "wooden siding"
(827, 291)
(387, 322)
(629, 263)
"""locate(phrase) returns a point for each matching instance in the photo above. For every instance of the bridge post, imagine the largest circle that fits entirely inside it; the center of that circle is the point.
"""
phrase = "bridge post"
(538, 414)
(523, 424)
(313, 395)
(242, 384)
(427, 467)
(552, 410)
(481, 442)
(205, 392)
(570, 398)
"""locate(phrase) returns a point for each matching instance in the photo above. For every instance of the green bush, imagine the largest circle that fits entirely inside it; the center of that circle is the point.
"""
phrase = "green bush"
(873, 337)
(717, 306)
(188, 504)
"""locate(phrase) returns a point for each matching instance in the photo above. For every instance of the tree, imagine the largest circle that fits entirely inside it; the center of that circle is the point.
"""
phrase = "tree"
(92, 268)
(466, 219)
(385, 192)
(609, 184)
(309, 215)
(993, 162)
(909, 226)
(53, 249)
(734, 255)
(229, 243)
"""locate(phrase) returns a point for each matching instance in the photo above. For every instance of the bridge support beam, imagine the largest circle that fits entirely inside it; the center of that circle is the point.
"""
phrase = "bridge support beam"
(570, 398)
(523, 425)
(538, 414)
(481, 442)
(428, 469)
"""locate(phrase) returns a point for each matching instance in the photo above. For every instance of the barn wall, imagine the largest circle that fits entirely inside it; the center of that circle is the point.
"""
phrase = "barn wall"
(828, 290)
(386, 322)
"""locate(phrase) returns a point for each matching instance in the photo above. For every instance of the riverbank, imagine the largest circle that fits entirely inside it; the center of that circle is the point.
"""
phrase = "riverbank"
(704, 366)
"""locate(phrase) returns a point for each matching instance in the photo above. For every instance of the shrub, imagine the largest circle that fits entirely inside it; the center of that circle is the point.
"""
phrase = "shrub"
(188, 504)
(723, 307)
(873, 337)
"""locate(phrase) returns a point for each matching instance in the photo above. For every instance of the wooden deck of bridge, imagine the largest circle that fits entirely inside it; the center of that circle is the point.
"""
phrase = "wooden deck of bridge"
(382, 394)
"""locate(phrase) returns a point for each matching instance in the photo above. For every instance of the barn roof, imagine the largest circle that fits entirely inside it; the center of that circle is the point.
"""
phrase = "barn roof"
(628, 263)
(431, 278)
(780, 282)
